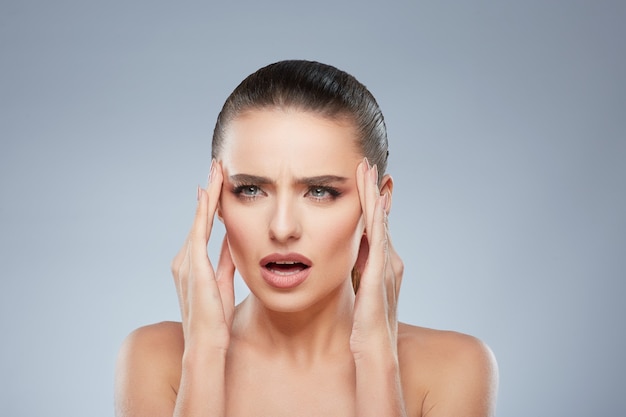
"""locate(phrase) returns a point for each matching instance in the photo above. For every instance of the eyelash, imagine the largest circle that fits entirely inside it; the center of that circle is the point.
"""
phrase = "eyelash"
(332, 192)
(240, 192)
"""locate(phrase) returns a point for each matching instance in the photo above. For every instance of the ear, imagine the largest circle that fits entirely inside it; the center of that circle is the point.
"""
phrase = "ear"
(386, 186)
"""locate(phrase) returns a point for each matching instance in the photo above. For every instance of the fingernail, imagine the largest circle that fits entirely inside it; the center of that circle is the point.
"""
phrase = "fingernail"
(366, 164)
(374, 174)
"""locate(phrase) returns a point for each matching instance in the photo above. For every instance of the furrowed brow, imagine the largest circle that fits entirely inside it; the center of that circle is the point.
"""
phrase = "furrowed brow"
(322, 180)
(308, 181)
(249, 179)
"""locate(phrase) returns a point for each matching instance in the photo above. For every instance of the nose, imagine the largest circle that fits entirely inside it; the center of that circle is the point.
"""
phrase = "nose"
(285, 221)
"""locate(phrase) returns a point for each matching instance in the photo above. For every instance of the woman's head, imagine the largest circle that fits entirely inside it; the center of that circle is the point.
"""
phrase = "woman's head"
(314, 87)
(289, 139)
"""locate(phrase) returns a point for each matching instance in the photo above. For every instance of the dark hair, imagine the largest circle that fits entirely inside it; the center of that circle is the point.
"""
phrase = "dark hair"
(310, 86)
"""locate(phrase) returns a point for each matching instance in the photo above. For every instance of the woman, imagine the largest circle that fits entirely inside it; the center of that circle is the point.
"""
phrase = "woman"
(297, 178)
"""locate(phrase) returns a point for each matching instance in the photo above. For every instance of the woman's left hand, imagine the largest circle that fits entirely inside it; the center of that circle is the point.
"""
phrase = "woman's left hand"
(375, 325)
(374, 338)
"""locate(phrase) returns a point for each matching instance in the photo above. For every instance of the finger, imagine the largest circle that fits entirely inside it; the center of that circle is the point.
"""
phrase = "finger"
(367, 181)
(204, 305)
(182, 283)
(378, 238)
(198, 231)
(192, 252)
(182, 253)
(224, 277)
(367, 185)
(375, 269)
(396, 264)
(201, 288)
(372, 195)
(393, 281)
(361, 175)
(181, 265)
(391, 299)
(214, 189)
(203, 222)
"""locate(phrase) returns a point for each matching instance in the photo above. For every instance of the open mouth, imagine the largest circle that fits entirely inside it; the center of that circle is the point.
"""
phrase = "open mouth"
(285, 270)
(286, 267)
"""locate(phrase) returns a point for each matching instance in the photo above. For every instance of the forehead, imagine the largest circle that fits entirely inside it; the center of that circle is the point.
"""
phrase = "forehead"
(300, 140)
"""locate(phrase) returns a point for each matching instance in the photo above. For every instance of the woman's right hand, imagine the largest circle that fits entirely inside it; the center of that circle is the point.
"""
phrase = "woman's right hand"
(205, 295)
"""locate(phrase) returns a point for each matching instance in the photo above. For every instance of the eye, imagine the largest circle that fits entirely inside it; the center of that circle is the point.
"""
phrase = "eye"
(248, 191)
(323, 193)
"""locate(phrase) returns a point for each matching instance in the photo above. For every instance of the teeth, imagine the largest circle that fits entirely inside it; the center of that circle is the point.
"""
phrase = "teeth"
(286, 267)
(284, 273)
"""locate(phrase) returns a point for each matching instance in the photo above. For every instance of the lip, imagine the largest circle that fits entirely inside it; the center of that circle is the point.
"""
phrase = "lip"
(287, 280)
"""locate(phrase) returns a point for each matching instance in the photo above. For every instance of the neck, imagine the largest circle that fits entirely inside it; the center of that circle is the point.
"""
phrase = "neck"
(303, 336)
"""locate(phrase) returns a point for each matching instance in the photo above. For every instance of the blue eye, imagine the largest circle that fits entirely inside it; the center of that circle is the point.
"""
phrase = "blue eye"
(250, 190)
(247, 191)
(323, 193)
(318, 192)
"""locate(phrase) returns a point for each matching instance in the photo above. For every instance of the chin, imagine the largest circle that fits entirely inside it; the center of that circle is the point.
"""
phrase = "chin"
(304, 298)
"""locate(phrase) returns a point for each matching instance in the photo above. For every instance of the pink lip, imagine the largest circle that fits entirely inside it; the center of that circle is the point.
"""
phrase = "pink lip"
(289, 279)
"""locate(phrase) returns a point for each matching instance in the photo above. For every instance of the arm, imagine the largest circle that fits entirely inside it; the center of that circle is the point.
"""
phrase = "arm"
(460, 371)
(144, 375)
(374, 335)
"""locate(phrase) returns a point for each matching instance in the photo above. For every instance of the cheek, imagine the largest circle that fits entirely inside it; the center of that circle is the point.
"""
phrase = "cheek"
(342, 236)
(242, 232)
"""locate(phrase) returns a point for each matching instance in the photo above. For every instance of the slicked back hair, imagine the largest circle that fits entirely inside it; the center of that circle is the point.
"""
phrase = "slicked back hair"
(310, 86)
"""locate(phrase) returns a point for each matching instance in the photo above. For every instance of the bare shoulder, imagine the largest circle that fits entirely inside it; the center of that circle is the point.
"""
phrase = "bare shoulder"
(445, 348)
(149, 366)
(454, 373)
(165, 332)
(155, 341)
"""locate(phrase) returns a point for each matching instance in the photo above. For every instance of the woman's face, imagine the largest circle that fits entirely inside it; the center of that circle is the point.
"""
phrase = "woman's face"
(290, 205)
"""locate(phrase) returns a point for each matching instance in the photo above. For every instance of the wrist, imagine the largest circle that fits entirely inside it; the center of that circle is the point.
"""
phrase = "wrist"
(380, 351)
(202, 356)
(379, 362)
(202, 385)
(379, 386)
(207, 340)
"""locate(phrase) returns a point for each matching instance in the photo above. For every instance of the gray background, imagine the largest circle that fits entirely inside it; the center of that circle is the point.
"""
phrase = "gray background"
(508, 133)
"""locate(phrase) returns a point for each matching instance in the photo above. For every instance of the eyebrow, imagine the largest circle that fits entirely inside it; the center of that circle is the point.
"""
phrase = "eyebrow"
(310, 181)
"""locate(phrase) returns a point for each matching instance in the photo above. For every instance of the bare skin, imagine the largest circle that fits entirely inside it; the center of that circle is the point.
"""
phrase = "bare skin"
(316, 349)
(443, 374)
